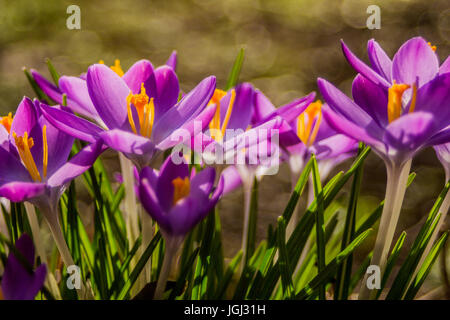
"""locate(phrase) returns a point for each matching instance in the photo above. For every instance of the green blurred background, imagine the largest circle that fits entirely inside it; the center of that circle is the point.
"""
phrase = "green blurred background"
(288, 44)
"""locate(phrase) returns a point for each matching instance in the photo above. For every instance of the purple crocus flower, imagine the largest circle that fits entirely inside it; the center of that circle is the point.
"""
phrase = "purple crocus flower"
(76, 90)
(177, 199)
(19, 283)
(34, 158)
(307, 132)
(399, 107)
(34, 165)
(139, 122)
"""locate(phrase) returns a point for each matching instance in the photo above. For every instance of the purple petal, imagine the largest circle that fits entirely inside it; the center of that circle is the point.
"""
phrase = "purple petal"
(441, 137)
(187, 109)
(262, 107)
(11, 168)
(334, 146)
(169, 171)
(25, 117)
(203, 181)
(49, 88)
(352, 130)
(77, 165)
(71, 124)
(362, 68)
(130, 144)
(163, 86)
(172, 61)
(78, 99)
(241, 113)
(445, 67)
(415, 59)
(434, 97)
(17, 282)
(109, 94)
(59, 146)
(410, 131)
(150, 203)
(379, 60)
(232, 179)
(190, 130)
(372, 98)
(138, 74)
(342, 104)
(20, 191)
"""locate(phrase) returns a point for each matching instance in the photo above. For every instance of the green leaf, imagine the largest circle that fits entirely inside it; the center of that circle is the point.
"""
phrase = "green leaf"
(391, 261)
(235, 71)
(426, 267)
(183, 275)
(231, 270)
(327, 274)
(284, 265)
(53, 72)
(344, 271)
(252, 221)
(320, 228)
(37, 90)
(406, 271)
(139, 267)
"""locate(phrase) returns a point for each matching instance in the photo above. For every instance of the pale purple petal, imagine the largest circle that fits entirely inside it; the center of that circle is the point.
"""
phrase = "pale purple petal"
(379, 60)
(109, 94)
(137, 74)
(415, 60)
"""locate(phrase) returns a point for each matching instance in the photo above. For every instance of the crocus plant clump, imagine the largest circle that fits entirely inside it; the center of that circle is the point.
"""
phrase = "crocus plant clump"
(182, 152)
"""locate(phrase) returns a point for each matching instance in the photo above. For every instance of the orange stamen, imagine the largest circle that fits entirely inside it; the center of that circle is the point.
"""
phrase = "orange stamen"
(7, 121)
(395, 94)
(181, 188)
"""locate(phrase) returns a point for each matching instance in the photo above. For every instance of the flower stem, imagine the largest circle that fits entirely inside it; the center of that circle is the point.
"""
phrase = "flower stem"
(247, 203)
(130, 200)
(51, 216)
(171, 250)
(35, 230)
(397, 177)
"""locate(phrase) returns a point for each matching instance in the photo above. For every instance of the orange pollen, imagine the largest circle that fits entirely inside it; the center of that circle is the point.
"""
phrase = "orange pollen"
(23, 145)
(305, 130)
(395, 94)
(181, 188)
(432, 47)
(116, 67)
(7, 121)
(217, 129)
(146, 111)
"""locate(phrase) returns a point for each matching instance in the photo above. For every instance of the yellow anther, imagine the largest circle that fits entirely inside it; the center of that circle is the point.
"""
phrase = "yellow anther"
(412, 105)
(24, 144)
(305, 130)
(394, 107)
(116, 67)
(7, 121)
(218, 129)
(181, 188)
(45, 151)
(432, 47)
(145, 110)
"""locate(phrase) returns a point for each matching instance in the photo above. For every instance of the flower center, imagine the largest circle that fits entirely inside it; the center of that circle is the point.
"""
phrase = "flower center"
(116, 67)
(145, 110)
(217, 129)
(307, 129)
(395, 94)
(24, 145)
(181, 188)
(7, 121)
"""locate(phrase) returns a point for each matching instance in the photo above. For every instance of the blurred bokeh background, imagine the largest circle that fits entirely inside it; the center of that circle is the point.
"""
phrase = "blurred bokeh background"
(288, 44)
